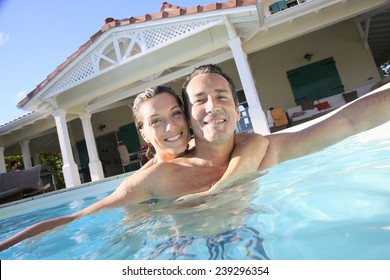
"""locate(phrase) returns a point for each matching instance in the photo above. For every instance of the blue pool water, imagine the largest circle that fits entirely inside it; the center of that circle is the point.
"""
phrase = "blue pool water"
(334, 204)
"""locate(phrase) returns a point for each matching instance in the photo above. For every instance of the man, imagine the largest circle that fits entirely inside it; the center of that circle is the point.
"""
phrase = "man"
(213, 112)
(209, 80)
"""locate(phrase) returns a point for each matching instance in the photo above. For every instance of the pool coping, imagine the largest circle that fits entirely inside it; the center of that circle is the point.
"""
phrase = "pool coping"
(55, 197)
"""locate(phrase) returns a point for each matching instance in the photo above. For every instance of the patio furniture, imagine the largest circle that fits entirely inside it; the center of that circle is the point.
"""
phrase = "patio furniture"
(278, 6)
(279, 116)
(304, 112)
(21, 184)
(128, 158)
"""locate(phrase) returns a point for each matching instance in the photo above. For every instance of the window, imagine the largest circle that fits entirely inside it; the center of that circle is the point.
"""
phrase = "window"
(244, 124)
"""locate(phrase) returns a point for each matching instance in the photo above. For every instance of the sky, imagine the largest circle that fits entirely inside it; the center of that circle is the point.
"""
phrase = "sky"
(37, 36)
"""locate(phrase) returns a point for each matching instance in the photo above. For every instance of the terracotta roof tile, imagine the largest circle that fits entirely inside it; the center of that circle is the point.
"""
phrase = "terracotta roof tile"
(165, 6)
(194, 10)
(167, 10)
(95, 36)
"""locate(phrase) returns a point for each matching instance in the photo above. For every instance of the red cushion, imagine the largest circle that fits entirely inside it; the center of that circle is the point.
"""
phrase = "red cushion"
(322, 106)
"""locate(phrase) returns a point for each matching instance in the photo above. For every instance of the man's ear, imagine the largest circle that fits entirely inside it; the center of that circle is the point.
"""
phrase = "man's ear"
(237, 114)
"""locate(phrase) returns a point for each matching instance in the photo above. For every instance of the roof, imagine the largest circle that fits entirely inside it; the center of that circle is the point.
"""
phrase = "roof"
(167, 11)
(172, 11)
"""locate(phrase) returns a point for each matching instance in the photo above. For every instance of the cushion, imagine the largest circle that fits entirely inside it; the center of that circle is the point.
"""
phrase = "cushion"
(380, 83)
(297, 114)
(279, 117)
(349, 96)
(307, 105)
(322, 106)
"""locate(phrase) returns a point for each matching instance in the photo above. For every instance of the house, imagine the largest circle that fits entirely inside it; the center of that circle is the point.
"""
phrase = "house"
(83, 108)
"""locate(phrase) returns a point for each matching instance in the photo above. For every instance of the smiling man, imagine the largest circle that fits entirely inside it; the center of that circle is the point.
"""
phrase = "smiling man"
(212, 108)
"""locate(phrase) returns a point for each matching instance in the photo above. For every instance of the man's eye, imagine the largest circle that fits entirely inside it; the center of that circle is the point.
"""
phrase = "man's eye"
(199, 101)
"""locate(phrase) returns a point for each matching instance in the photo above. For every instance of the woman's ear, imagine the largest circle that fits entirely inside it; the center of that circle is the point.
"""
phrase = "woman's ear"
(144, 136)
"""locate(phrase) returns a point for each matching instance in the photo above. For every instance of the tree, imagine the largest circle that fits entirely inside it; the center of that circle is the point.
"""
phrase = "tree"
(386, 68)
(55, 163)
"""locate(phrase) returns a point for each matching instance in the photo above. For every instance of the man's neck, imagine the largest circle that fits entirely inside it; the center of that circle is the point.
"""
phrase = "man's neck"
(215, 153)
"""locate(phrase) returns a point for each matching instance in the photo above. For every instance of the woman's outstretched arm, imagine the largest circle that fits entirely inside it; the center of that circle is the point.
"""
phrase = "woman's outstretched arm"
(34, 230)
(128, 192)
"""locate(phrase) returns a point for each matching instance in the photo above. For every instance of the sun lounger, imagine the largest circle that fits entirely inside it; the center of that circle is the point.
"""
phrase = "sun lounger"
(24, 183)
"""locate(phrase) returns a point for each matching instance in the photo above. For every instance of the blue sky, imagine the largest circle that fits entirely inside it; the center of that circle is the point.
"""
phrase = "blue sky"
(37, 36)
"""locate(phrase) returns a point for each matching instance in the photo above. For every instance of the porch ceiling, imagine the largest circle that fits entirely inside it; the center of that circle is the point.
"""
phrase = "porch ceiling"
(377, 23)
(372, 18)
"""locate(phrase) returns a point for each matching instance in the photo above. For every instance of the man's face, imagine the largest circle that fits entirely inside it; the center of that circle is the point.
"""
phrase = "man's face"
(213, 114)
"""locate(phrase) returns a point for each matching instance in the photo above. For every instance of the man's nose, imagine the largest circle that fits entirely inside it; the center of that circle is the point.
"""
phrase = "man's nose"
(211, 105)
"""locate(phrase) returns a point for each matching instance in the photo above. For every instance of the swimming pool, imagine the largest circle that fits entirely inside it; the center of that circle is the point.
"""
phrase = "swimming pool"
(334, 204)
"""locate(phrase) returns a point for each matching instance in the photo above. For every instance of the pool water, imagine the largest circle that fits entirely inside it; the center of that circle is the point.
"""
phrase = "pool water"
(334, 204)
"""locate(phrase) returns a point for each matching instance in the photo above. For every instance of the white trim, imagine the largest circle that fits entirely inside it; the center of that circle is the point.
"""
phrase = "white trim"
(85, 66)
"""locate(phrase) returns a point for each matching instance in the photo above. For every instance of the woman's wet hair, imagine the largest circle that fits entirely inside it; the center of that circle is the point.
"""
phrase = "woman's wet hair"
(206, 69)
(148, 94)
(144, 96)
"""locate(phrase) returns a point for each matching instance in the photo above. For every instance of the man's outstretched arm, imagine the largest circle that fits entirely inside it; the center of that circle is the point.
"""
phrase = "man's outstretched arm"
(364, 113)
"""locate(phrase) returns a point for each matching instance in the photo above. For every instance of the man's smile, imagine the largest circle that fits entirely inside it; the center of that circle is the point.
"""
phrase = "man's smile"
(215, 121)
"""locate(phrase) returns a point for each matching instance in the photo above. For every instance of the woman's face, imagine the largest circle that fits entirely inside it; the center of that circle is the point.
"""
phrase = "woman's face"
(164, 126)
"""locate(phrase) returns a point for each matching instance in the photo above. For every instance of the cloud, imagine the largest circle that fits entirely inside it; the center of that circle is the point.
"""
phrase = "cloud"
(4, 38)
(19, 96)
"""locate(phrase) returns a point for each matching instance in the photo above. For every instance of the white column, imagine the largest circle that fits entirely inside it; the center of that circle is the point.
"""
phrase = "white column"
(95, 165)
(69, 169)
(25, 145)
(3, 169)
(36, 159)
(257, 115)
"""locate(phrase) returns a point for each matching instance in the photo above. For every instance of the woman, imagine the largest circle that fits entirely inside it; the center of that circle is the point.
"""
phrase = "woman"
(160, 119)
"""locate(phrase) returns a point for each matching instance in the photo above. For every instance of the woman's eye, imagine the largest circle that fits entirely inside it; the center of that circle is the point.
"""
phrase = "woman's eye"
(155, 122)
(176, 113)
